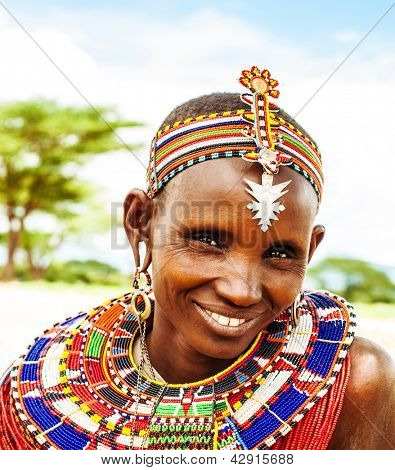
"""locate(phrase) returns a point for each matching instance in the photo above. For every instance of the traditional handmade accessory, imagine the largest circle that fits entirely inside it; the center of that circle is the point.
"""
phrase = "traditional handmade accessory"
(141, 289)
(295, 306)
(258, 134)
(78, 387)
(261, 127)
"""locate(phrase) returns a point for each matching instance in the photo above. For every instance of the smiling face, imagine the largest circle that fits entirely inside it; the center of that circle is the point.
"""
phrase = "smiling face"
(208, 253)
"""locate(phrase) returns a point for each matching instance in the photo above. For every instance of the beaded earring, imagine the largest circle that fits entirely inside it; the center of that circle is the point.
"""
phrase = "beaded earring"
(294, 312)
(142, 286)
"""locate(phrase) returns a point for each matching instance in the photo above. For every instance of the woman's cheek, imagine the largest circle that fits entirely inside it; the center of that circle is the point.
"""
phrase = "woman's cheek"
(283, 286)
(180, 268)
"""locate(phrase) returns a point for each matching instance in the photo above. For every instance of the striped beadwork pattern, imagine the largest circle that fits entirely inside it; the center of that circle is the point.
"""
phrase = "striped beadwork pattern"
(221, 135)
(76, 387)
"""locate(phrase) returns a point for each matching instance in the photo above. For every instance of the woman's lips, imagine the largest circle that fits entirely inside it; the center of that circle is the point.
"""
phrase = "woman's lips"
(225, 326)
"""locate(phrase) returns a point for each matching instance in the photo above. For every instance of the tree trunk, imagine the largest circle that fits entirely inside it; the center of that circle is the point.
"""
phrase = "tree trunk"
(12, 245)
(36, 271)
(15, 228)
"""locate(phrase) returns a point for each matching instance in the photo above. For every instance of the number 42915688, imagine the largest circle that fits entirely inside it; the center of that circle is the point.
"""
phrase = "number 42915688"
(242, 458)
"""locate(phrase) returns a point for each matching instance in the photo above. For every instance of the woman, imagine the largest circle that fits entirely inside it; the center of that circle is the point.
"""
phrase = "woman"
(223, 350)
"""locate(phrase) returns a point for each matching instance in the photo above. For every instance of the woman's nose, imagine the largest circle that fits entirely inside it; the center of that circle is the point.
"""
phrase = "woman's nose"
(241, 285)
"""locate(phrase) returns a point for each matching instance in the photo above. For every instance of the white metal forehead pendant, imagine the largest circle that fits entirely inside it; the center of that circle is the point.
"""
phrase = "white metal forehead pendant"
(266, 195)
(261, 127)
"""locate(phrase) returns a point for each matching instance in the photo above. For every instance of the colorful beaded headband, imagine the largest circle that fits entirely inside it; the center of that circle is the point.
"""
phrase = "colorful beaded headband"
(256, 135)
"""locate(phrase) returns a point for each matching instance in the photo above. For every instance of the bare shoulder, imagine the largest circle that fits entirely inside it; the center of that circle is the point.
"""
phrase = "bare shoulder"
(367, 419)
(372, 371)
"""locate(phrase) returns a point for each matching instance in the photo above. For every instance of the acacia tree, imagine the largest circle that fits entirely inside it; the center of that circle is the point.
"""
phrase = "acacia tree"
(42, 144)
(40, 245)
(353, 279)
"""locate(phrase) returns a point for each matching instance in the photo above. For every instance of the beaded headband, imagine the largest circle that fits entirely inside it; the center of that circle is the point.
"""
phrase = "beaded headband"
(257, 134)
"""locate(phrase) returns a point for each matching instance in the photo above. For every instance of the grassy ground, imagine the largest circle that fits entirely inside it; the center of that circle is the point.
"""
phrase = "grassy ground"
(28, 308)
(378, 311)
(77, 288)
(377, 322)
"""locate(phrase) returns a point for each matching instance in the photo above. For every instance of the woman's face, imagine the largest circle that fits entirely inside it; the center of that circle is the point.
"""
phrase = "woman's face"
(209, 254)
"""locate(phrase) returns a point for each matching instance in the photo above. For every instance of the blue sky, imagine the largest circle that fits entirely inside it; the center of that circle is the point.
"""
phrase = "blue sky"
(319, 17)
(118, 52)
(309, 23)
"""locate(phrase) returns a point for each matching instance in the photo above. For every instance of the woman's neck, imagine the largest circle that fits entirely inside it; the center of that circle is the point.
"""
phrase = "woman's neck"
(175, 360)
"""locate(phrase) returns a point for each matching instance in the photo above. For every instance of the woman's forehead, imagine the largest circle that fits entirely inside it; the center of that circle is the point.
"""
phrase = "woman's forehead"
(214, 192)
(222, 181)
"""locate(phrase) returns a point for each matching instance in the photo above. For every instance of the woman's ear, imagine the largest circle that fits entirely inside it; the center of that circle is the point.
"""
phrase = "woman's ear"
(316, 238)
(137, 219)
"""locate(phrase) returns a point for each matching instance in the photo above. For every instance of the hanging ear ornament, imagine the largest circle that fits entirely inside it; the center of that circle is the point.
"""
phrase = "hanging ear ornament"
(261, 127)
(142, 287)
(295, 306)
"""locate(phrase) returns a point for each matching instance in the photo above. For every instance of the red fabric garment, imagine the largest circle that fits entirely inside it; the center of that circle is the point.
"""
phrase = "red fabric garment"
(314, 431)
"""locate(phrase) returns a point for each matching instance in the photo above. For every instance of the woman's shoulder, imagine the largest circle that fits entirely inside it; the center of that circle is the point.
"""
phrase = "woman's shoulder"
(372, 374)
(367, 416)
(367, 419)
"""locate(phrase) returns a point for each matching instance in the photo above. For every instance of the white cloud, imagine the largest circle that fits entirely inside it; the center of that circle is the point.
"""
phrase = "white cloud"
(347, 37)
(158, 66)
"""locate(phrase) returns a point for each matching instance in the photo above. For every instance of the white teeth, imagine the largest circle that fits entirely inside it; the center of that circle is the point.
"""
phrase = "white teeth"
(223, 320)
(214, 315)
(226, 321)
(234, 322)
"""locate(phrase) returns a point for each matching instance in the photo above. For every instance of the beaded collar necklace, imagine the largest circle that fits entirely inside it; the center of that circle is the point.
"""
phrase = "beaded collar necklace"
(77, 387)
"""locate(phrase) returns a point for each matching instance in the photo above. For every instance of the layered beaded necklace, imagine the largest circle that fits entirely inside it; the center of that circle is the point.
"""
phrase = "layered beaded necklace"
(78, 387)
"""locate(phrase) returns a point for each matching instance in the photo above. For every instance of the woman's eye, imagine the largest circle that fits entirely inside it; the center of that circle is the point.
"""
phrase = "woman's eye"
(277, 254)
(208, 240)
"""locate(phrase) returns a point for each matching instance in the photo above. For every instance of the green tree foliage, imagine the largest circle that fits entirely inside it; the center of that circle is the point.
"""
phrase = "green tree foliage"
(86, 271)
(42, 144)
(353, 279)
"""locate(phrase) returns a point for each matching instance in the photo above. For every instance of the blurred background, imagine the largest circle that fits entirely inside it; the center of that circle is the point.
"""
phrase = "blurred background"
(83, 87)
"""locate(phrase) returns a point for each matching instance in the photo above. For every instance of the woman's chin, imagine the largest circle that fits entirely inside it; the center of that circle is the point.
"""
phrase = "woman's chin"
(223, 350)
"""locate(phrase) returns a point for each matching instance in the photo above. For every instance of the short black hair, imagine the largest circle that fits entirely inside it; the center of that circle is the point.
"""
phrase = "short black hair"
(218, 103)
